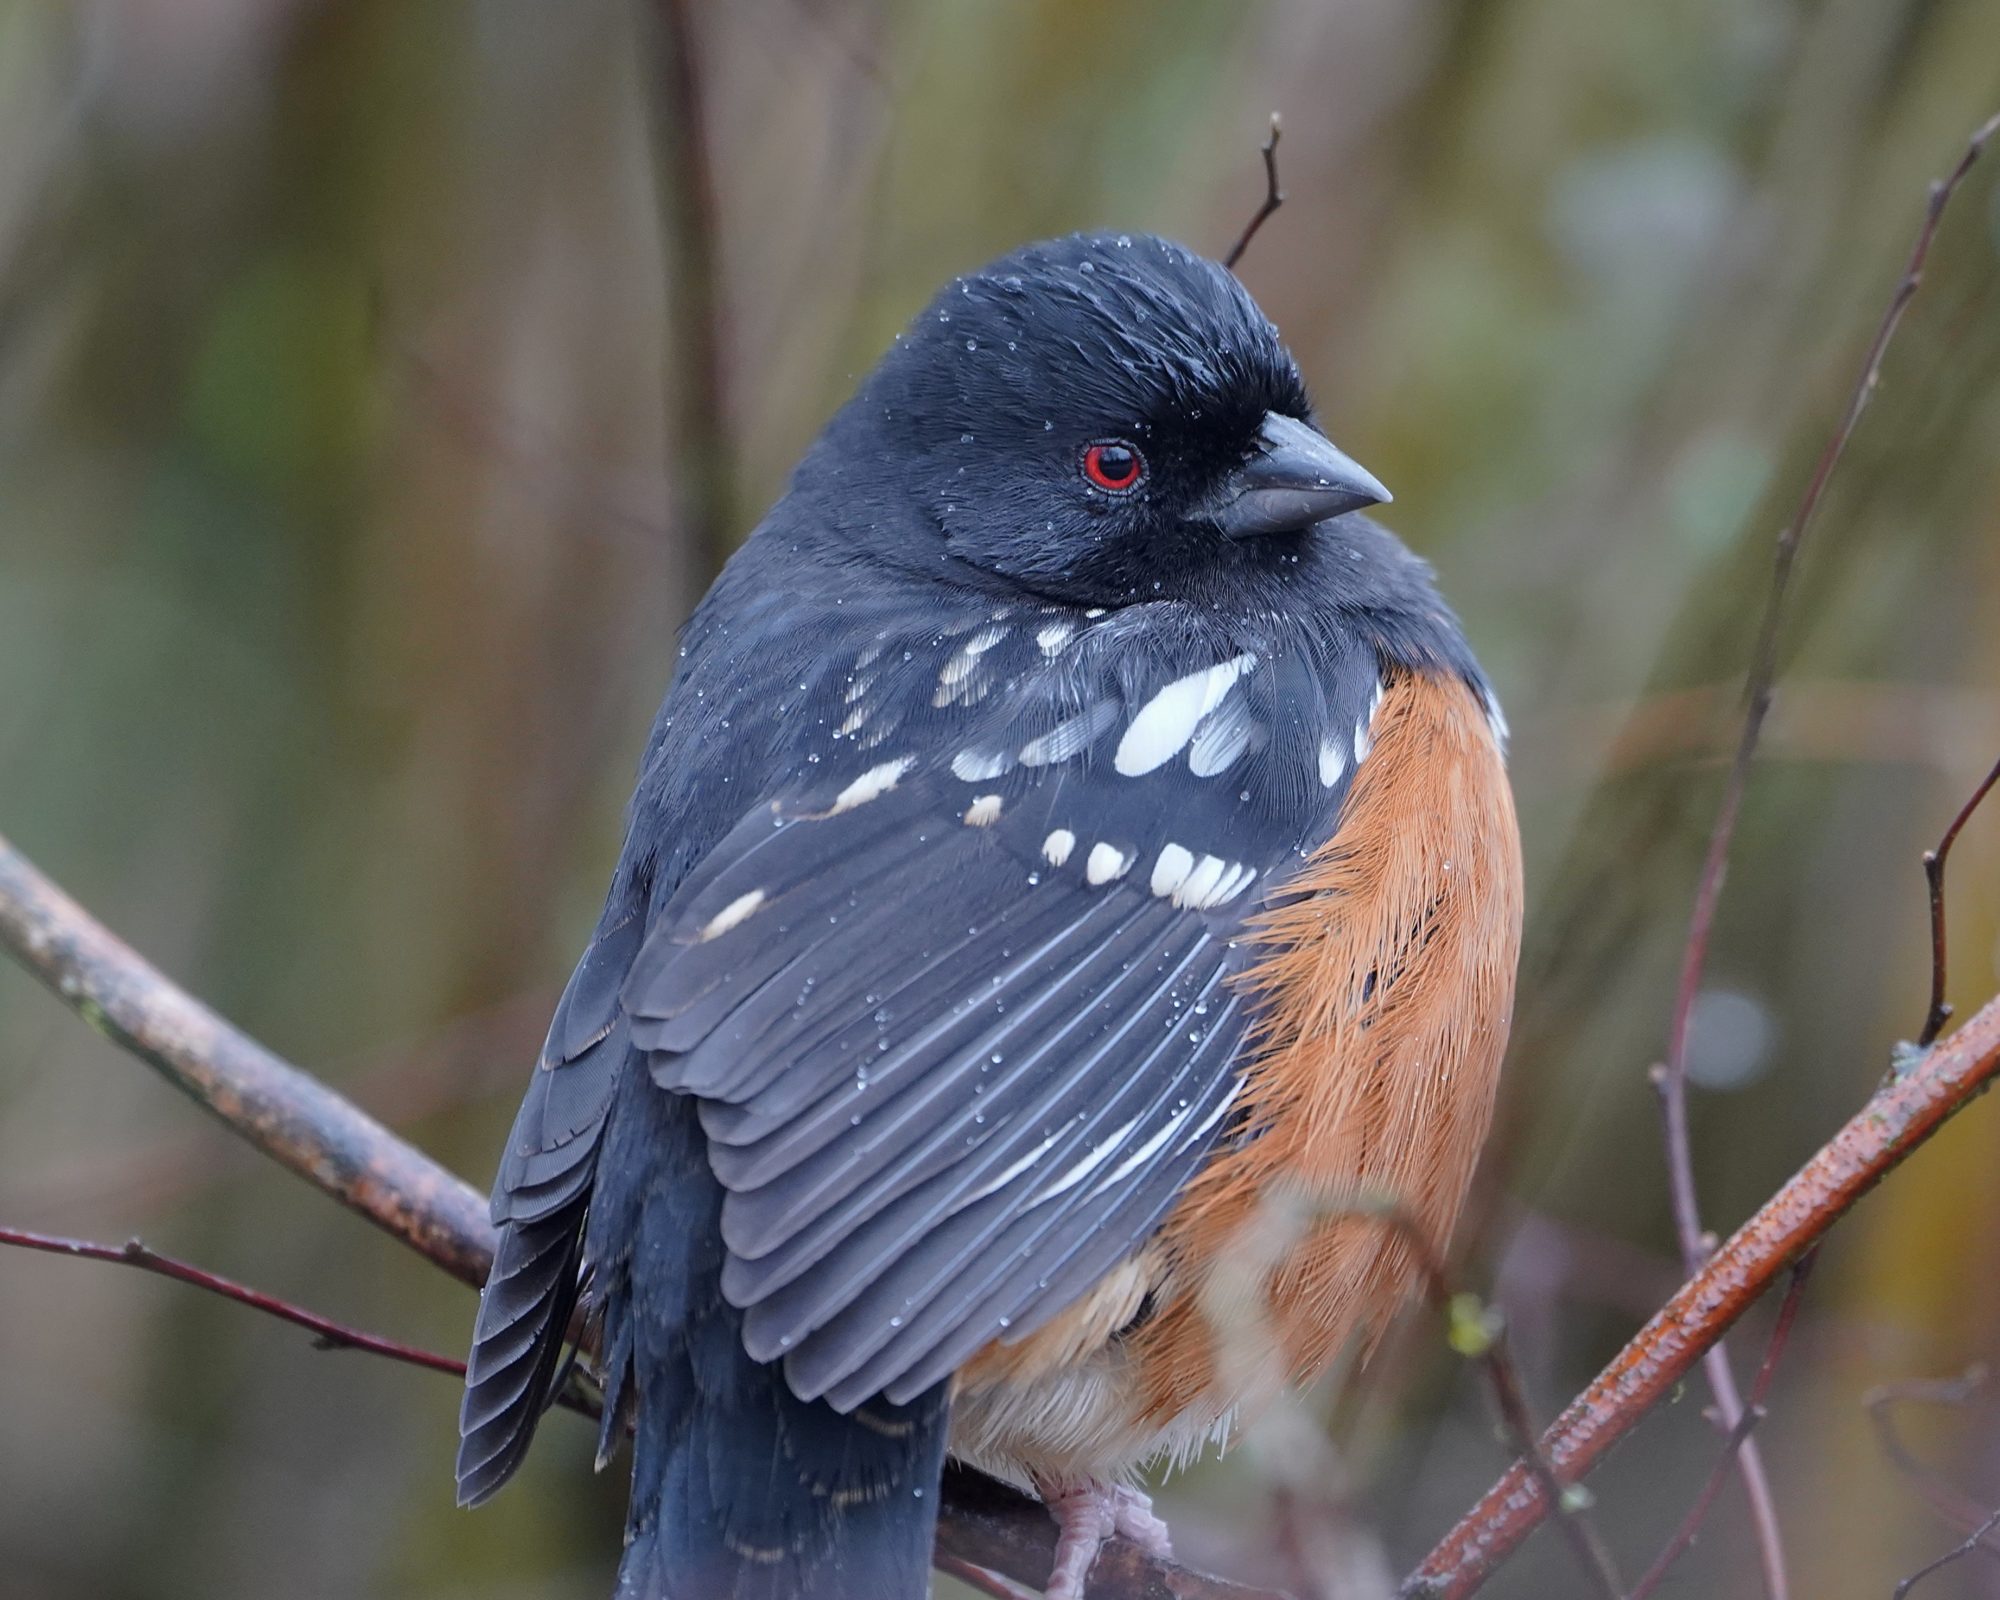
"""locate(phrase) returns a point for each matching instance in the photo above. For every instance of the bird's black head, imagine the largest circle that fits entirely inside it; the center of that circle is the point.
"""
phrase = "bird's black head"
(1099, 419)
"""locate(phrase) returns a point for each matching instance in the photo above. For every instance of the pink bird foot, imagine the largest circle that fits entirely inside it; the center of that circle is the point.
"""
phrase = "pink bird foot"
(1088, 1516)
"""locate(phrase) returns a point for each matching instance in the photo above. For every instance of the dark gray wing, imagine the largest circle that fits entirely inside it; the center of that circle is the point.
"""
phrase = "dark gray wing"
(956, 1003)
(539, 1201)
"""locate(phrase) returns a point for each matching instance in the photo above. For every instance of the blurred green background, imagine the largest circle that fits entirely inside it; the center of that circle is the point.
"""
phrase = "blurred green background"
(357, 438)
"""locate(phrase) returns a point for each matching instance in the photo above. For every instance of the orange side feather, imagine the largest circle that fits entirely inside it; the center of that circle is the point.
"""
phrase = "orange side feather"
(1388, 984)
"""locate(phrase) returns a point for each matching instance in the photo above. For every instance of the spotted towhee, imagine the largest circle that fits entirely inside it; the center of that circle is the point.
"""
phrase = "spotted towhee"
(1071, 879)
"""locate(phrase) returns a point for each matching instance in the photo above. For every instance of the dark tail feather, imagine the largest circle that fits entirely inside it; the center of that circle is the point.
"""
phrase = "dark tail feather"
(524, 1314)
(740, 1490)
(775, 1498)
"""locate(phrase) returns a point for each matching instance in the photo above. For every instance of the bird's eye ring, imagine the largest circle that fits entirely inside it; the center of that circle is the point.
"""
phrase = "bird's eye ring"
(1113, 465)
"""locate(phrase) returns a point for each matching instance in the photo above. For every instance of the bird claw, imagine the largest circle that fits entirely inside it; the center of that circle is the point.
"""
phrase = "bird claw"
(1089, 1516)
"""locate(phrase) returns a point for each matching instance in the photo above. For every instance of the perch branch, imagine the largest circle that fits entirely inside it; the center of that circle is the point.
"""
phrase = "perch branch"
(339, 1149)
(1896, 1120)
(287, 1114)
(1753, 1413)
(1273, 197)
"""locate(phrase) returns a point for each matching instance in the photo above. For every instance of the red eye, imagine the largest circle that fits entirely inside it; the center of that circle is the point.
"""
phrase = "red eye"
(1113, 465)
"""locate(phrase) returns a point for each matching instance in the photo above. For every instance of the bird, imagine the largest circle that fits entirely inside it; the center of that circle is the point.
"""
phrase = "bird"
(1052, 992)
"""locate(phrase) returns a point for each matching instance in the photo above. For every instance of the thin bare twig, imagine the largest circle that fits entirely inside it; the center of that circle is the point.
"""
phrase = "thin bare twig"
(1273, 197)
(1954, 1506)
(1974, 1541)
(1671, 1079)
(1934, 869)
(1896, 1121)
(1479, 1332)
(697, 394)
(1753, 1413)
(327, 1334)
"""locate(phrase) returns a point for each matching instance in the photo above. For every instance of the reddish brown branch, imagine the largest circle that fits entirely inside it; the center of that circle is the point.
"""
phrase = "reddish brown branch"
(1895, 1121)
(307, 1128)
(1759, 689)
(1273, 197)
(1934, 869)
(327, 1333)
(1753, 1413)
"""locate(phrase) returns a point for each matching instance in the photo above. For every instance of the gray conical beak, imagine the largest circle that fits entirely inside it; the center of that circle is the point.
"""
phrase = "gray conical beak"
(1295, 479)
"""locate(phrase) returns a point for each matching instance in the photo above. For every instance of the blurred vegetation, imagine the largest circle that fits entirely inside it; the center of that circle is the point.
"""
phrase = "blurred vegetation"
(340, 565)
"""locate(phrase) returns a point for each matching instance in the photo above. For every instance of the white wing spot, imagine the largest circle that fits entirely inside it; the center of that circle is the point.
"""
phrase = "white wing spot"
(1197, 891)
(1332, 763)
(1054, 637)
(872, 784)
(730, 915)
(1234, 882)
(1167, 721)
(855, 718)
(1069, 737)
(1105, 862)
(1057, 846)
(963, 660)
(977, 766)
(1496, 719)
(983, 812)
(1224, 735)
(1195, 883)
(1172, 868)
(1364, 734)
